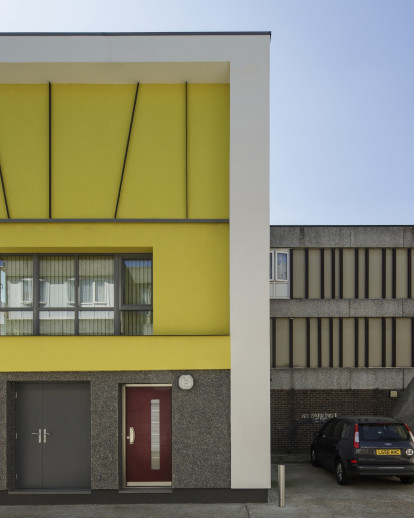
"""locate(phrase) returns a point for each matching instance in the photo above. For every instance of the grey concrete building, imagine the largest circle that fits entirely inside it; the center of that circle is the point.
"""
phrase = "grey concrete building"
(341, 326)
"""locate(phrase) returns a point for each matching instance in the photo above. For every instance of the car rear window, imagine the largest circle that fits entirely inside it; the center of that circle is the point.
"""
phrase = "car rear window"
(383, 432)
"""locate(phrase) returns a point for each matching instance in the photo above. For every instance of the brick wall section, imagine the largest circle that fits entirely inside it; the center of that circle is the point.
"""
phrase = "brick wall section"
(298, 414)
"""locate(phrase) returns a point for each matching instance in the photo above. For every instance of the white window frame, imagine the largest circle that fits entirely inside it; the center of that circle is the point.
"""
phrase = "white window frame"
(70, 290)
(45, 285)
(29, 282)
(281, 252)
(95, 302)
(276, 284)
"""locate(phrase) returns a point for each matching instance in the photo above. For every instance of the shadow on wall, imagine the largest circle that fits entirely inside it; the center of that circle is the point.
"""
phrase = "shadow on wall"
(404, 409)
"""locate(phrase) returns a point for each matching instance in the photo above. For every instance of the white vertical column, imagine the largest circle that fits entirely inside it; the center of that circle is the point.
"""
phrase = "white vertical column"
(249, 249)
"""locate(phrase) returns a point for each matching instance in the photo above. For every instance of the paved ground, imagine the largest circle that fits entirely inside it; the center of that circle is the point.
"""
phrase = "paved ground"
(310, 492)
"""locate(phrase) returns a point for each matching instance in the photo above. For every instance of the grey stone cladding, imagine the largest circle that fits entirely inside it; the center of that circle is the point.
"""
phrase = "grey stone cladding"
(200, 425)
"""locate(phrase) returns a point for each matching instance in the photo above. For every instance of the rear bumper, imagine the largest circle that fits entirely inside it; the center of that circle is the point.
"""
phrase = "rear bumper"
(385, 471)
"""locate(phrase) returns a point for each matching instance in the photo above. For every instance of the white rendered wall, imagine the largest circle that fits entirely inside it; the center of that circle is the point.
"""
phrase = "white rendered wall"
(249, 284)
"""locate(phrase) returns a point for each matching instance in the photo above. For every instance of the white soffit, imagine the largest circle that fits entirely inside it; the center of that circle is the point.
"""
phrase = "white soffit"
(113, 73)
(89, 58)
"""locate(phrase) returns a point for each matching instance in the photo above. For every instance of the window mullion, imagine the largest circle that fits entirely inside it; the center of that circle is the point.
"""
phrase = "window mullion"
(117, 294)
(35, 300)
(76, 288)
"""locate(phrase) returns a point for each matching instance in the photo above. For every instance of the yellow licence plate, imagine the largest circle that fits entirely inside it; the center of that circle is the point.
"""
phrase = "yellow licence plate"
(388, 452)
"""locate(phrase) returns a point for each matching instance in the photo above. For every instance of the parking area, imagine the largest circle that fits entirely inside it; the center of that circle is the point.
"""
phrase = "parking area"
(310, 492)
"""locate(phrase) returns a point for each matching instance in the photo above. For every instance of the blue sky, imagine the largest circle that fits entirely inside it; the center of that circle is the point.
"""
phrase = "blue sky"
(342, 86)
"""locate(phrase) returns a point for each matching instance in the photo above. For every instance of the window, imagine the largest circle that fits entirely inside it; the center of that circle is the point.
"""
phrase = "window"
(76, 295)
(279, 274)
(281, 266)
(27, 291)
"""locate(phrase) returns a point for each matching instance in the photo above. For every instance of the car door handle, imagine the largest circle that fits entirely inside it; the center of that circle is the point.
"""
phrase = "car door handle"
(131, 436)
(39, 434)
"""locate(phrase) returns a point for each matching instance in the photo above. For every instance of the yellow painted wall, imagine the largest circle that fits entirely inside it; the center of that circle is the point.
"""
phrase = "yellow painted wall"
(190, 264)
(208, 151)
(3, 212)
(90, 125)
(24, 144)
(106, 353)
(154, 181)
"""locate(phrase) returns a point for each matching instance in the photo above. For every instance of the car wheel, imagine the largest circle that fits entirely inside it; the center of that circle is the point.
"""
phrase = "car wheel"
(407, 480)
(314, 460)
(342, 478)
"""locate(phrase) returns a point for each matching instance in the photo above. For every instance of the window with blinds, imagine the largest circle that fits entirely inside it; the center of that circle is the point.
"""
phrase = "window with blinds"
(76, 295)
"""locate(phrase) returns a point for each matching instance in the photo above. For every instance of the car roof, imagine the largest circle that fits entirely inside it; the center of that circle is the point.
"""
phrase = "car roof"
(368, 419)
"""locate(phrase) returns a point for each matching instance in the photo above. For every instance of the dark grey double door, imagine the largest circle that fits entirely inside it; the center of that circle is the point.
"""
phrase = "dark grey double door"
(53, 439)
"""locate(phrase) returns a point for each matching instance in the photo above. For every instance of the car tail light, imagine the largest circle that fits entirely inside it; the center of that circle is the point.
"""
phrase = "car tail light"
(356, 436)
(354, 461)
(410, 432)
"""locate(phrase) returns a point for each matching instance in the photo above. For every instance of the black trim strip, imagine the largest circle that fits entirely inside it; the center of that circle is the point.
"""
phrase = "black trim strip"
(306, 273)
(333, 275)
(291, 342)
(341, 273)
(409, 272)
(126, 149)
(273, 351)
(394, 342)
(356, 345)
(291, 273)
(366, 342)
(308, 359)
(4, 193)
(111, 220)
(384, 341)
(50, 150)
(330, 342)
(367, 273)
(341, 342)
(384, 275)
(356, 273)
(186, 150)
(322, 273)
(394, 273)
(319, 342)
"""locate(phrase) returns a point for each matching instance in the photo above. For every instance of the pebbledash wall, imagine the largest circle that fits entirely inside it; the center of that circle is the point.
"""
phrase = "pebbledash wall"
(145, 148)
(341, 325)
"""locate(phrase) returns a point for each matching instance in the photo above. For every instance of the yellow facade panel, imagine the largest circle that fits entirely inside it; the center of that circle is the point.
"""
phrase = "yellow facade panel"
(176, 165)
(24, 155)
(90, 125)
(208, 150)
(154, 184)
(107, 353)
(3, 211)
(190, 264)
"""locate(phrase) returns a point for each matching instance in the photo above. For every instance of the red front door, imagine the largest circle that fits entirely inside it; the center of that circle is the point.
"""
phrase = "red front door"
(147, 435)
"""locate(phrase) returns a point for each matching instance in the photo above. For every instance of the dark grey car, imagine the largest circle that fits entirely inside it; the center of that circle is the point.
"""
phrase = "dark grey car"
(355, 446)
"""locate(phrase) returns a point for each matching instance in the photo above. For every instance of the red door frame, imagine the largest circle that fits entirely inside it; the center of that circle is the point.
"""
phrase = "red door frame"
(136, 402)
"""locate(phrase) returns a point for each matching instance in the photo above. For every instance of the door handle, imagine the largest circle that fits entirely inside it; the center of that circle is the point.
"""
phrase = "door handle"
(45, 433)
(131, 436)
(39, 434)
